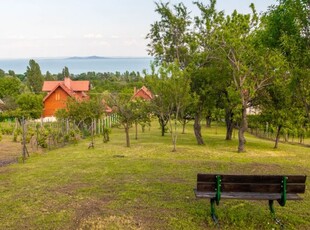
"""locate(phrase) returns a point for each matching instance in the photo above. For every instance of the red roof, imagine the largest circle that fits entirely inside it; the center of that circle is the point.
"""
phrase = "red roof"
(144, 91)
(71, 85)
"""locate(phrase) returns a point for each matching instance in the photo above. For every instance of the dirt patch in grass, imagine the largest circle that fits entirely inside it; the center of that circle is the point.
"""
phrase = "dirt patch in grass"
(110, 223)
(134, 218)
(89, 212)
(70, 189)
(9, 150)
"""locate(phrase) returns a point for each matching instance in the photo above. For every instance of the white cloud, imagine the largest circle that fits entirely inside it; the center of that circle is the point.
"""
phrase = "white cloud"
(104, 43)
(58, 36)
(93, 36)
(131, 42)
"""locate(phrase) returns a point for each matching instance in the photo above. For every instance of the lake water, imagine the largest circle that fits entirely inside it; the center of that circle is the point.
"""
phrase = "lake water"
(77, 66)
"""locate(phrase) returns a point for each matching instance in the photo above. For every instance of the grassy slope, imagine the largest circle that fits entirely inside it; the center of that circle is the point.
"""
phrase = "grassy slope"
(145, 186)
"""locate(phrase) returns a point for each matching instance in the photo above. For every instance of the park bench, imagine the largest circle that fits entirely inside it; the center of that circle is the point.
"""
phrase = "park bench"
(250, 187)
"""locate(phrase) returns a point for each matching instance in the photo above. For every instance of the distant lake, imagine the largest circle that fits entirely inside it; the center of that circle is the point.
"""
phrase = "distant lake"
(77, 66)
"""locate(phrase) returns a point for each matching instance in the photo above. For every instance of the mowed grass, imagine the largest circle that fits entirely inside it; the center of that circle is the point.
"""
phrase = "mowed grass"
(146, 186)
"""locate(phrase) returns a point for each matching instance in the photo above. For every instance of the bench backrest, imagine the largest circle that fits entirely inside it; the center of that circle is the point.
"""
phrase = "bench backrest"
(251, 183)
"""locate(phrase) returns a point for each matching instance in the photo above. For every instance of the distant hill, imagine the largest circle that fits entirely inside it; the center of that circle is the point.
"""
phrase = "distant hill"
(89, 57)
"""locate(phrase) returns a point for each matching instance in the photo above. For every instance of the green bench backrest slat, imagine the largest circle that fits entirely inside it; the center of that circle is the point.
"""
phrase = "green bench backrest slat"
(251, 183)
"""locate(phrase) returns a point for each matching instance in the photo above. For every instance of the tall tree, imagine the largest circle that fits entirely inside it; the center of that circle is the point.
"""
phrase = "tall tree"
(34, 77)
(171, 41)
(49, 76)
(253, 67)
(65, 72)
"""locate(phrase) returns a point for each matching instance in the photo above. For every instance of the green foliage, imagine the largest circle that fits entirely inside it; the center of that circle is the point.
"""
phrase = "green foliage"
(49, 77)
(106, 134)
(112, 82)
(285, 27)
(42, 135)
(10, 86)
(6, 129)
(65, 72)
(2, 73)
(34, 77)
(83, 110)
(29, 105)
(169, 37)
(61, 114)
(16, 133)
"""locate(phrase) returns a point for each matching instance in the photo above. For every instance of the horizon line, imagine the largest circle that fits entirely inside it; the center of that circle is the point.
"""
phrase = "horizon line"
(76, 56)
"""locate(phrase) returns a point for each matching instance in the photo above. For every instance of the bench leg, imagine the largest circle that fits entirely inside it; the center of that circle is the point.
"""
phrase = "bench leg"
(214, 218)
(271, 208)
(273, 214)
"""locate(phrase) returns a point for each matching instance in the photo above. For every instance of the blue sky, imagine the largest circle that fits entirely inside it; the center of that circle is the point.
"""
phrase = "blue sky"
(61, 28)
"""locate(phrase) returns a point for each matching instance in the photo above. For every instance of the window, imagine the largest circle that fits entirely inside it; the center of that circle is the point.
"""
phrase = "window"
(57, 96)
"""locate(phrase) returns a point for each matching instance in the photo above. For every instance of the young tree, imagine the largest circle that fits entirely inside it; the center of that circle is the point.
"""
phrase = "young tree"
(124, 107)
(159, 86)
(142, 113)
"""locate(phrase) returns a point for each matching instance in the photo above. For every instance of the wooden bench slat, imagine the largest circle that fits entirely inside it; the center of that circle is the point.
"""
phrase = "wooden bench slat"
(248, 187)
(247, 196)
(252, 178)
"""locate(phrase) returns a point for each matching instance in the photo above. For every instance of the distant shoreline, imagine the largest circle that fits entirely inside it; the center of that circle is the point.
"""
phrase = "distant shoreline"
(101, 57)
(77, 58)
(79, 65)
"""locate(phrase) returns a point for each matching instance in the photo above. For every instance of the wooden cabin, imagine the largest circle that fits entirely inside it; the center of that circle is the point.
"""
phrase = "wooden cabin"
(60, 91)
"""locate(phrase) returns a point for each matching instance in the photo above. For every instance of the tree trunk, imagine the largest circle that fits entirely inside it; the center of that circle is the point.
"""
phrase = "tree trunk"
(277, 137)
(208, 121)
(163, 124)
(136, 126)
(175, 130)
(243, 127)
(174, 142)
(197, 130)
(127, 135)
(162, 130)
(229, 124)
(183, 127)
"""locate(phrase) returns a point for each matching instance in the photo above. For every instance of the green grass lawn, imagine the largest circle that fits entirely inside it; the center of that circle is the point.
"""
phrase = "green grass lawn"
(146, 186)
